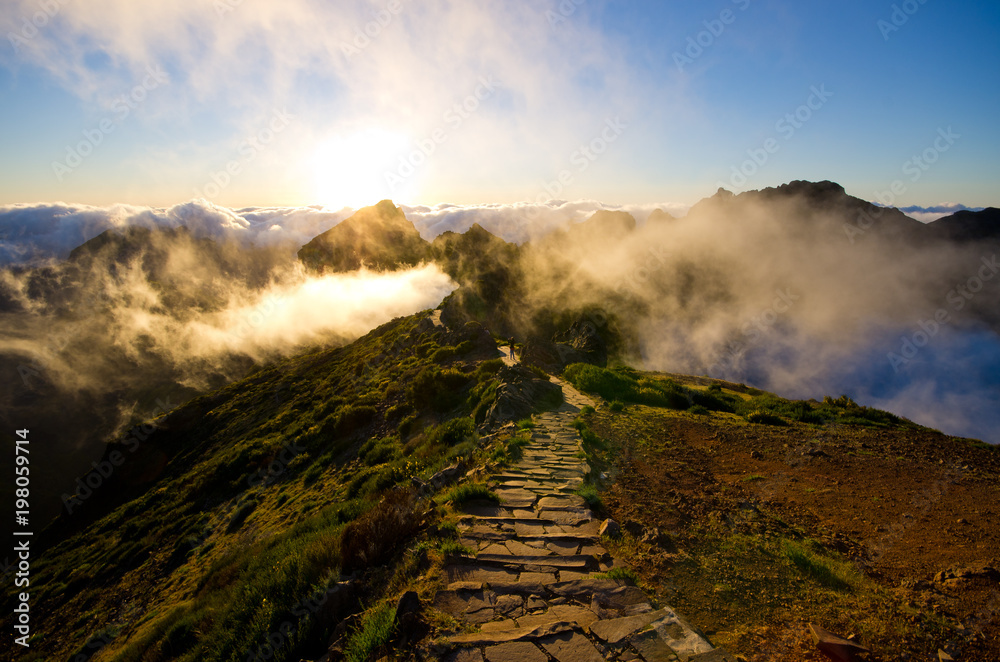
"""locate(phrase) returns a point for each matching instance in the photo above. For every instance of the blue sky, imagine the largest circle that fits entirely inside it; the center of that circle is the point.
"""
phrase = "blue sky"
(304, 111)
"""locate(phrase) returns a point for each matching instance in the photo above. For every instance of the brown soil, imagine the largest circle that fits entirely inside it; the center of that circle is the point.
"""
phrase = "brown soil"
(901, 505)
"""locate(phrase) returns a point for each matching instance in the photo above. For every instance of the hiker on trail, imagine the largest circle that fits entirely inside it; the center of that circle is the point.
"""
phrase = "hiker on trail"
(512, 348)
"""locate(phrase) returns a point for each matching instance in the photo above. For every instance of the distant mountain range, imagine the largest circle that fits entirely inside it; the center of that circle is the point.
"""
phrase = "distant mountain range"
(678, 293)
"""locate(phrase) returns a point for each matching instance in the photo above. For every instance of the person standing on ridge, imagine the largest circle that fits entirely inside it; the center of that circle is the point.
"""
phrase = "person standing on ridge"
(513, 358)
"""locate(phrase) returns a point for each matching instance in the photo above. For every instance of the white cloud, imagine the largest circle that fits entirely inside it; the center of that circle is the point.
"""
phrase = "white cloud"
(51, 230)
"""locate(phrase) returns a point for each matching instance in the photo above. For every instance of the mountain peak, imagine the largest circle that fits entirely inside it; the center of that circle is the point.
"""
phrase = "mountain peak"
(378, 237)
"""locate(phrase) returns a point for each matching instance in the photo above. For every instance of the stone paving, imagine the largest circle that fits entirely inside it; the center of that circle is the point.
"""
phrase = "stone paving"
(534, 588)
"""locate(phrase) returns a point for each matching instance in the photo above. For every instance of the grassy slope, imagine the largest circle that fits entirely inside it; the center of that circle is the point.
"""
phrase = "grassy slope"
(257, 484)
(793, 519)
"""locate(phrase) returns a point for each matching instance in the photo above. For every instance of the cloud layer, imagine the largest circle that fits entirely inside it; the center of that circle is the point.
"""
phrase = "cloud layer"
(33, 233)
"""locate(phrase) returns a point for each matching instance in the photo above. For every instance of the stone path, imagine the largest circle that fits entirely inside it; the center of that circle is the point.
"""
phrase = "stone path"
(534, 587)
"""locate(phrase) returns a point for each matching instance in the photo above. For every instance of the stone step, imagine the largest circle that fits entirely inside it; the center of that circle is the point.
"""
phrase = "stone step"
(568, 562)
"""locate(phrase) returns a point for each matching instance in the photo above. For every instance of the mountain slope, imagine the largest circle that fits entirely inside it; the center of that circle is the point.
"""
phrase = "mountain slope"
(378, 237)
(200, 535)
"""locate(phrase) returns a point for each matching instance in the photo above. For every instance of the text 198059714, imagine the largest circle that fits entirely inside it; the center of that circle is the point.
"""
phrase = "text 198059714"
(22, 546)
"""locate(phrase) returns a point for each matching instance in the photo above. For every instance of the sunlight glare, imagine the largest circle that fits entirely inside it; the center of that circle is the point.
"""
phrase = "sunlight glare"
(349, 169)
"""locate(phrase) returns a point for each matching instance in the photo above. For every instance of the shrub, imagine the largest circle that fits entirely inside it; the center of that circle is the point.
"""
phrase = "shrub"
(312, 474)
(591, 497)
(764, 418)
(443, 354)
(608, 384)
(437, 388)
(240, 516)
(488, 368)
(541, 374)
(406, 425)
(453, 432)
(349, 419)
(710, 401)
(461, 494)
(617, 405)
(379, 451)
(455, 548)
(373, 634)
(699, 410)
(373, 537)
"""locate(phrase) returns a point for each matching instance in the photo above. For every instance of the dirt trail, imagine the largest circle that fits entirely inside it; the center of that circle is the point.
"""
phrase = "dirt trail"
(535, 586)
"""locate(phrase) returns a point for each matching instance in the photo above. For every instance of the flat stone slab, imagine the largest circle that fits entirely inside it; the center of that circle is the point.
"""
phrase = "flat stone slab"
(559, 614)
(614, 630)
(504, 636)
(542, 578)
(585, 587)
(571, 647)
(515, 547)
(517, 651)
(573, 501)
(465, 655)
(621, 598)
(680, 636)
(553, 561)
(651, 647)
(479, 574)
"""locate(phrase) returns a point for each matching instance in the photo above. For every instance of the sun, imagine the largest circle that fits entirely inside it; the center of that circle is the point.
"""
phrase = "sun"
(350, 170)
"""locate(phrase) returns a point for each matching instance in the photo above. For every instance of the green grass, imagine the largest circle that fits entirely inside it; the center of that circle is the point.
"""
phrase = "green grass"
(373, 634)
(591, 496)
(622, 385)
(753, 477)
(824, 570)
(455, 548)
(764, 418)
(461, 494)
(526, 424)
(357, 431)
(624, 574)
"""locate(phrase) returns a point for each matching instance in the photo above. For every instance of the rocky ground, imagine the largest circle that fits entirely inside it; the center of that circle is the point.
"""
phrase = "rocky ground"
(911, 517)
(542, 585)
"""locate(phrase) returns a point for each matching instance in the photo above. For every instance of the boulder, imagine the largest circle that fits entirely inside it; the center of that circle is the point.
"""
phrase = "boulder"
(610, 528)
(834, 647)
(517, 392)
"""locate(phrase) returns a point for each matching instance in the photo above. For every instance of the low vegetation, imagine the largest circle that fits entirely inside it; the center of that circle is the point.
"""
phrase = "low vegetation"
(622, 385)
(260, 497)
